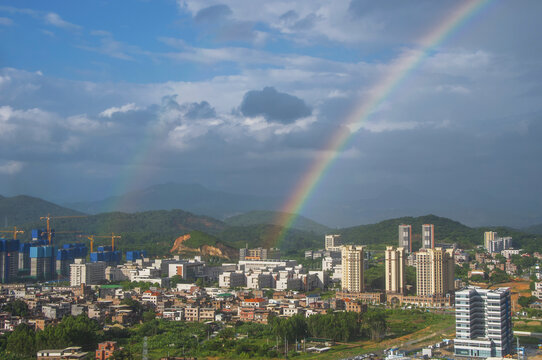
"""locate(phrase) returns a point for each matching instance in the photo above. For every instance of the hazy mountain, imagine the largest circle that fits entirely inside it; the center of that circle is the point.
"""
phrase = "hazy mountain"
(189, 197)
(22, 209)
(271, 217)
(397, 201)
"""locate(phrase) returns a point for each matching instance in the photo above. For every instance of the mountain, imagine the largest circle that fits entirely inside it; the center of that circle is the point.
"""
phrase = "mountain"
(260, 217)
(190, 197)
(535, 229)
(267, 236)
(447, 231)
(22, 209)
(470, 207)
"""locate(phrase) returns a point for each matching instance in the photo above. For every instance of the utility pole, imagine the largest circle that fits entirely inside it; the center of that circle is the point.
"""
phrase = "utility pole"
(145, 350)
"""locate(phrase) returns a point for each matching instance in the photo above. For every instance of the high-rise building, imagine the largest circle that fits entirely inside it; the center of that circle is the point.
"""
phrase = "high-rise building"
(352, 268)
(395, 270)
(87, 273)
(9, 260)
(42, 262)
(483, 322)
(428, 236)
(434, 271)
(332, 242)
(496, 244)
(488, 237)
(405, 237)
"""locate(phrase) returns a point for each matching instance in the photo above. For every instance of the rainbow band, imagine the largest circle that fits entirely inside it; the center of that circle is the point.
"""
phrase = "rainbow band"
(398, 71)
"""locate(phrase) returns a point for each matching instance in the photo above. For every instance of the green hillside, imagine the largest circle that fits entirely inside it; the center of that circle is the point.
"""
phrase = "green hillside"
(447, 231)
(270, 236)
(154, 231)
(271, 218)
(22, 209)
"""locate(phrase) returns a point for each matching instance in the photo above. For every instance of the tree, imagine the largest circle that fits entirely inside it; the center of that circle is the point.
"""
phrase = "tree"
(16, 308)
(375, 323)
(122, 354)
(148, 316)
(22, 341)
(525, 301)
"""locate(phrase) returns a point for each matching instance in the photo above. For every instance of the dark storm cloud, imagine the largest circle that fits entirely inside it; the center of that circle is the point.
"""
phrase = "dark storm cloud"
(201, 110)
(274, 106)
(213, 13)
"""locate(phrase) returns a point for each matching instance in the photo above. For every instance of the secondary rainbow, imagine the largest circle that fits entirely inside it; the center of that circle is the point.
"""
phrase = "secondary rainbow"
(396, 73)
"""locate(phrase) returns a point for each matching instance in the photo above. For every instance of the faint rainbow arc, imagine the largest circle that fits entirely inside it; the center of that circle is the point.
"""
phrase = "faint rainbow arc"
(398, 71)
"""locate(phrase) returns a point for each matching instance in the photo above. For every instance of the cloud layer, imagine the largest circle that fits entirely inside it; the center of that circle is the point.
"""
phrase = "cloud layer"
(244, 95)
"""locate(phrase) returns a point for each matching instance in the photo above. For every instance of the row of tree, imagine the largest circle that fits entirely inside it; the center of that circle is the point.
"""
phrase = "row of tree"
(337, 326)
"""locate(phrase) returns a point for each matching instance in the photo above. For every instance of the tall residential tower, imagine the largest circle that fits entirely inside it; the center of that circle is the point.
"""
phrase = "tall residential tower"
(405, 237)
(434, 272)
(352, 268)
(395, 270)
(428, 236)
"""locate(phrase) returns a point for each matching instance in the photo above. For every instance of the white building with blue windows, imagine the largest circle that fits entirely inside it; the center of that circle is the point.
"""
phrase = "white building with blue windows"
(483, 322)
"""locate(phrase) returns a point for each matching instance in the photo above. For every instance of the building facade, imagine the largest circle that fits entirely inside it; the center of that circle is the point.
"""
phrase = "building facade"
(434, 272)
(352, 268)
(405, 237)
(483, 322)
(428, 236)
(332, 242)
(395, 270)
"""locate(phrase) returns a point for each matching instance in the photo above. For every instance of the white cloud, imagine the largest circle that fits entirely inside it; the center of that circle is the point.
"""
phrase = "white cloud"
(54, 19)
(6, 21)
(108, 113)
(11, 167)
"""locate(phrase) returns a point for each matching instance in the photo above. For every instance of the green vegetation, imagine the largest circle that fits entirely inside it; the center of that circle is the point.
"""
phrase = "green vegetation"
(24, 342)
(16, 308)
(271, 218)
(19, 210)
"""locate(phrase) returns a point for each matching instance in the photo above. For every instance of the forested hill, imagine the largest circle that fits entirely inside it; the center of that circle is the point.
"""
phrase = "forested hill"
(446, 231)
(270, 218)
(22, 209)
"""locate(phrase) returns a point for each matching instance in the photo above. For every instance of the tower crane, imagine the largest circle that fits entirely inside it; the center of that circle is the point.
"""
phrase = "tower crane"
(14, 232)
(48, 219)
(112, 237)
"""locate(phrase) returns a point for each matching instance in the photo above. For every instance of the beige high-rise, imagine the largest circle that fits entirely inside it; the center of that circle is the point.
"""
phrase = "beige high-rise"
(395, 270)
(352, 268)
(434, 271)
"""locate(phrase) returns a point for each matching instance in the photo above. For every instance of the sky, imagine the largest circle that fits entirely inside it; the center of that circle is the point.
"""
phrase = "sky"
(98, 98)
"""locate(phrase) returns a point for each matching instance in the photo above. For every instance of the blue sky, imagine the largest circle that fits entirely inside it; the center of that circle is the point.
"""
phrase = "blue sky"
(101, 97)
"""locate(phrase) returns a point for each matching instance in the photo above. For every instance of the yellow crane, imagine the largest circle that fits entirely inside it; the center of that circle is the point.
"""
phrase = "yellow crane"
(112, 236)
(48, 219)
(14, 232)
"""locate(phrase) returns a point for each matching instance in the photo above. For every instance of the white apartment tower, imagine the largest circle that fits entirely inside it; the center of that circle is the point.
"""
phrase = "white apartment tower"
(395, 270)
(352, 268)
(332, 242)
(87, 273)
(434, 272)
(483, 322)
(405, 237)
(428, 236)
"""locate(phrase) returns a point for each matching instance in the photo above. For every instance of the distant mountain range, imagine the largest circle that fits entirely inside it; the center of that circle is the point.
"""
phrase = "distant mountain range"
(471, 208)
(189, 197)
(157, 230)
(22, 209)
(271, 218)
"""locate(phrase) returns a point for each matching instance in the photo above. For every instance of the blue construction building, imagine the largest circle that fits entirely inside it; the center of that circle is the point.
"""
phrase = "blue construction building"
(67, 255)
(105, 253)
(9, 260)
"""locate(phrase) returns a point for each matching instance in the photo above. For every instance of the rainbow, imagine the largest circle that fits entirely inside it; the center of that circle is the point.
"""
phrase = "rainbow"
(398, 71)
